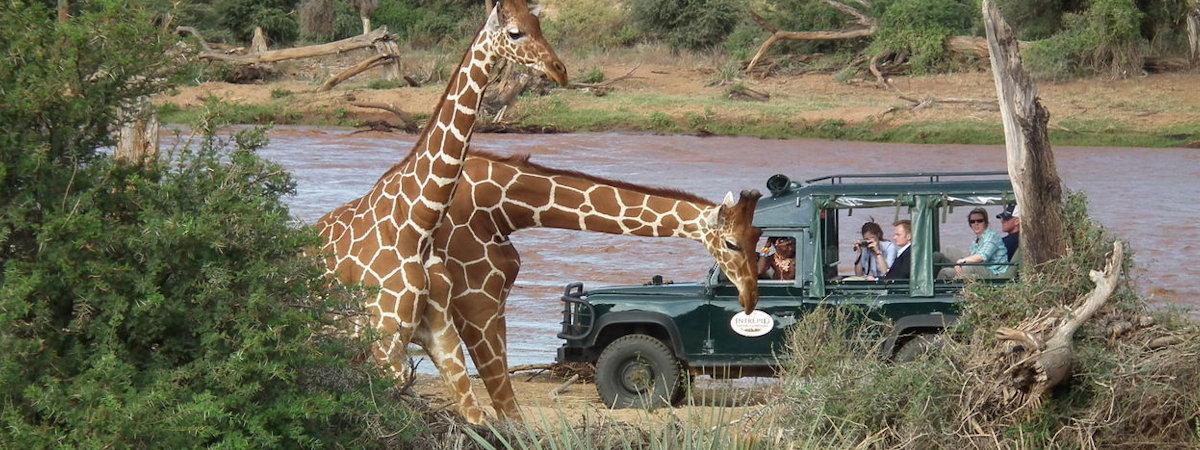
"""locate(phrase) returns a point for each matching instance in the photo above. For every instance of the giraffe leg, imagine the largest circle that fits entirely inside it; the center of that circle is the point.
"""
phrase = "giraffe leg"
(406, 303)
(444, 346)
(483, 331)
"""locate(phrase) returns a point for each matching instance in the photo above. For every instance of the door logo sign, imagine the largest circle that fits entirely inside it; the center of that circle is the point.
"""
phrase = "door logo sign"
(754, 324)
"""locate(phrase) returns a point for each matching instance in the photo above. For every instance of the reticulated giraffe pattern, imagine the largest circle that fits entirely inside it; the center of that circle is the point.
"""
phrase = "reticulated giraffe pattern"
(499, 195)
(383, 239)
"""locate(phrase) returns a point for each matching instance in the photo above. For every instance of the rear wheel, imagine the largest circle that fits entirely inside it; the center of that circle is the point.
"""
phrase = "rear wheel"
(638, 371)
(918, 346)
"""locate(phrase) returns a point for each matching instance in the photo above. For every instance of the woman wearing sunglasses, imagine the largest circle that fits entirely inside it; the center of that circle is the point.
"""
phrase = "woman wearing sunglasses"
(987, 248)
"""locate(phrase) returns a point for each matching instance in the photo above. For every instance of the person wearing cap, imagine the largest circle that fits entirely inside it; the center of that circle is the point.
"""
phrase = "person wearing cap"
(1010, 222)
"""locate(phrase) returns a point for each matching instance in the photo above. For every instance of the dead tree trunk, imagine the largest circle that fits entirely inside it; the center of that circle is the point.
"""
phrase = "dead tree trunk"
(1030, 158)
(344, 45)
(137, 141)
(259, 43)
(867, 23)
(351, 71)
(1193, 25)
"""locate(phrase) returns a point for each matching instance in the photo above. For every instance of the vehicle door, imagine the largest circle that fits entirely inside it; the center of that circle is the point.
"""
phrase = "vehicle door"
(744, 342)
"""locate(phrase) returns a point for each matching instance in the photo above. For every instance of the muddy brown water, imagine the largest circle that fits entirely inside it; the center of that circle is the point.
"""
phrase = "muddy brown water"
(1148, 196)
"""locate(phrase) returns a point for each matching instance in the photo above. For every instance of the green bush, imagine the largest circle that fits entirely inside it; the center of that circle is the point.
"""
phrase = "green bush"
(685, 24)
(423, 24)
(1104, 38)
(919, 29)
(165, 305)
(1032, 19)
(585, 24)
(275, 17)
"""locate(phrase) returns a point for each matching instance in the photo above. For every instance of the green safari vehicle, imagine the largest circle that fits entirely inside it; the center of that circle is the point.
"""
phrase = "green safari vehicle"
(647, 341)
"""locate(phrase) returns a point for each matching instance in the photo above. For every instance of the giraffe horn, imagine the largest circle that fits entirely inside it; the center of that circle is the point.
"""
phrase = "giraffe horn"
(729, 200)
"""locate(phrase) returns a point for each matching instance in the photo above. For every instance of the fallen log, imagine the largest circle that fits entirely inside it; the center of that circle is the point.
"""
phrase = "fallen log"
(356, 69)
(344, 45)
(1045, 363)
(407, 123)
(867, 24)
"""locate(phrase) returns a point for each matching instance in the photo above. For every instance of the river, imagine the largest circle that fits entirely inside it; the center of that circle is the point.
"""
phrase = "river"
(1147, 196)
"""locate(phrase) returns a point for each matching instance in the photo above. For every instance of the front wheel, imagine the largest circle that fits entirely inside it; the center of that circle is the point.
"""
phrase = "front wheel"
(638, 371)
(918, 346)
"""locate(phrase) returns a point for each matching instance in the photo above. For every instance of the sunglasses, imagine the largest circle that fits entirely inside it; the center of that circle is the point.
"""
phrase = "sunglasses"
(975, 221)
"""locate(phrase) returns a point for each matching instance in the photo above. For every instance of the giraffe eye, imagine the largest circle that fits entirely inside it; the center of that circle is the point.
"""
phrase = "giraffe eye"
(732, 246)
(515, 34)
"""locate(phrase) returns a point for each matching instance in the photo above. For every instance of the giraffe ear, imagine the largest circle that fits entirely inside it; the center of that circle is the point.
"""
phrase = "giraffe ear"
(729, 201)
(536, 10)
(493, 20)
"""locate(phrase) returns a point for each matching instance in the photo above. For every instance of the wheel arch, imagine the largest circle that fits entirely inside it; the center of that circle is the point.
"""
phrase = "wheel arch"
(908, 326)
(615, 325)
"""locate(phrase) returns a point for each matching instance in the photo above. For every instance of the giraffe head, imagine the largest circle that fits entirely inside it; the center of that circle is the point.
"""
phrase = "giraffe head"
(731, 238)
(517, 36)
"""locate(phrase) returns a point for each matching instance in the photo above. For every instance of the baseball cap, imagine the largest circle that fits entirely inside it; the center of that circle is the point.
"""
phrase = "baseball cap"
(1009, 212)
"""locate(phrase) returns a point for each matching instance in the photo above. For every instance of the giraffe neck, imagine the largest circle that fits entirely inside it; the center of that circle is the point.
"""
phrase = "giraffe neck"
(428, 175)
(535, 198)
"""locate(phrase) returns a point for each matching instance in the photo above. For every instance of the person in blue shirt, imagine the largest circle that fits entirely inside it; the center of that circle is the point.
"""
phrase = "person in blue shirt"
(986, 248)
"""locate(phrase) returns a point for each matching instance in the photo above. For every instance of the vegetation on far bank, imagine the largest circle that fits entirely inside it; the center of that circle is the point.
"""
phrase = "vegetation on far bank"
(643, 113)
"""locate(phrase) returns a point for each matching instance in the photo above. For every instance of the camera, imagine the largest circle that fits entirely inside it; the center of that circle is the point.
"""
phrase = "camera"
(863, 243)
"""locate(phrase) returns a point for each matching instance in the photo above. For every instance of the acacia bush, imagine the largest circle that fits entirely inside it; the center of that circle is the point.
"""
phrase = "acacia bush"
(920, 28)
(1104, 38)
(160, 305)
(685, 24)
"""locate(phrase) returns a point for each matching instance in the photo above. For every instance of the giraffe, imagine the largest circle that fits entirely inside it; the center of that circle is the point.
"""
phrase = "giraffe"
(500, 195)
(384, 238)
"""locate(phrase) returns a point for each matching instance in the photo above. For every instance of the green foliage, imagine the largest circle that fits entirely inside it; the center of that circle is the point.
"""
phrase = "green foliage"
(593, 75)
(281, 93)
(801, 15)
(1033, 19)
(422, 23)
(685, 24)
(275, 17)
(586, 24)
(1104, 38)
(919, 29)
(164, 305)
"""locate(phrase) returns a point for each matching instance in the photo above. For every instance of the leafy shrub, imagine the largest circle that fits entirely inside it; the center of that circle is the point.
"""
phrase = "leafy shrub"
(166, 305)
(589, 24)
(919, 29)
(685, 24)
(422, 23)
(1032, 19)
(1105, 38)
(275, 17)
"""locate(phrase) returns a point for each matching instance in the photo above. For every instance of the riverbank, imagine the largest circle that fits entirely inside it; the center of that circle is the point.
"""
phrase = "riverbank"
(691, 95)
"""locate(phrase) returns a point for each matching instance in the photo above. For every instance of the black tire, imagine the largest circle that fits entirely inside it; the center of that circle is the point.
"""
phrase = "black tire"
(917, 346)
(638, 371)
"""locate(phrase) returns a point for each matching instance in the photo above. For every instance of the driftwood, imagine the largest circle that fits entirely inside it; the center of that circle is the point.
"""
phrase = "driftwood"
(344, 45)
(356, 69)
(563, 387)
(407, 123)
(605, 83)
(867, 28)
(1031, 165)
(1039, 351)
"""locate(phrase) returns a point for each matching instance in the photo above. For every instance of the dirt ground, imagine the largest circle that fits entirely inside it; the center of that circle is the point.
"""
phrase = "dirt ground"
(713, 402)
(679, 85)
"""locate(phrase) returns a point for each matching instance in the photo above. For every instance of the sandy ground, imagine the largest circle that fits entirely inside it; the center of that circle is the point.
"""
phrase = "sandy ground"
(685, 84)
(713, 402)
